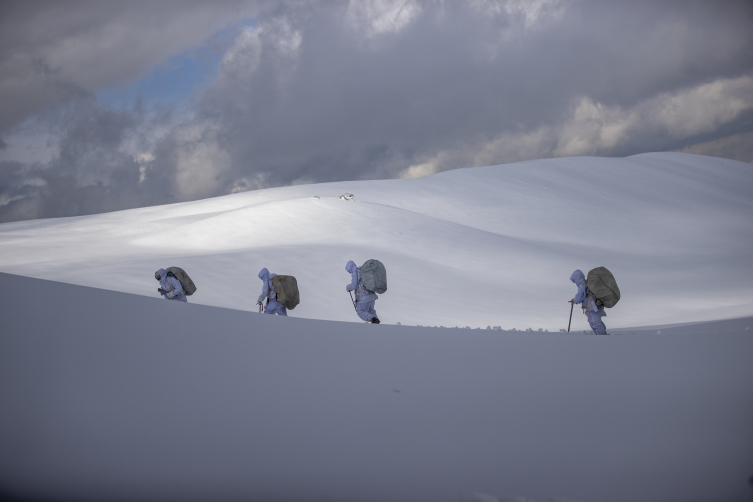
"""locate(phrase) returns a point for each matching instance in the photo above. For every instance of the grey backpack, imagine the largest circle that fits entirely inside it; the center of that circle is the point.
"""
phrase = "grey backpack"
(188, 286)
(374, 276)
(286, 288)
(601, 283)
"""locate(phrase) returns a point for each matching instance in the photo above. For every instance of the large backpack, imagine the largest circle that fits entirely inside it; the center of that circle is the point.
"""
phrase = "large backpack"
(286, 288)
(374, 276)
(601, 283)
(188, 286)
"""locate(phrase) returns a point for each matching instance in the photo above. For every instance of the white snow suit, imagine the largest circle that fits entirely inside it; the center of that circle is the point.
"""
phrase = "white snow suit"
(365, 299)
(172, 286)
(588, 301)
(268, 291)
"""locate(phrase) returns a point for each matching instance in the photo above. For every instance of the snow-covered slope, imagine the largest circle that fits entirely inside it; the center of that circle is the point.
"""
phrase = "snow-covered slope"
(470, 247)
(107, 396)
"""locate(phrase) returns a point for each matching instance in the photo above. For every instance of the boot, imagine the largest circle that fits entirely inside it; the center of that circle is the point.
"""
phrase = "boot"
(374, 320)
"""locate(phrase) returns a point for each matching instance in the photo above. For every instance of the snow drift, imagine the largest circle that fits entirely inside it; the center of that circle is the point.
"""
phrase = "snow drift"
(470, 247)
(112, 396)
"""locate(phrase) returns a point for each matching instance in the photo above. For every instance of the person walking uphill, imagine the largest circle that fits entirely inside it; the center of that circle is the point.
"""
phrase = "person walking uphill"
(268, 291)
(593, 312)
(170, 287)
(364, 298)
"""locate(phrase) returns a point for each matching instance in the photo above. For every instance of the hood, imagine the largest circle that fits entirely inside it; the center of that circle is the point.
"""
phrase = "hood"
(351, 266)
(161, 272)
(578, 277)
(263, 274)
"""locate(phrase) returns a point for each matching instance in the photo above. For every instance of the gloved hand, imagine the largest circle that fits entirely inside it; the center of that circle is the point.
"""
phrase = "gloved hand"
(347, 288)
(259, 302)
(161, 291)
(170, 294)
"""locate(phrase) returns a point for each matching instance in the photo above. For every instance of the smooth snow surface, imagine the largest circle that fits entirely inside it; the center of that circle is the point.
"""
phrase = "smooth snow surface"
(109, 396)
(487, 246)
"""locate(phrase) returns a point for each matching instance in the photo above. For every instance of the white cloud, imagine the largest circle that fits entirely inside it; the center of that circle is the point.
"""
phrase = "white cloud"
(593, 128)
(532, 13)
(428, 168)
(31, 182)
(244, 56)
(254, 182)
(200, 164)
(737, 147)
(514, 147)
(143, 160)
(305, 180)
(703, 108)
(30, 142)
(373, 17)
(282, 37)
(275, 38)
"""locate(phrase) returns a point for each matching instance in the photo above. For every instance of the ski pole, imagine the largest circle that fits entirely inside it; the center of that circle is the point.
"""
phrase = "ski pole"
(352, 300)
(571, 316)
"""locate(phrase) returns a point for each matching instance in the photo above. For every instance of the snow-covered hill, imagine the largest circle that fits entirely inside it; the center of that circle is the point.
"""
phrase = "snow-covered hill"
(106, 396)
(471, 247)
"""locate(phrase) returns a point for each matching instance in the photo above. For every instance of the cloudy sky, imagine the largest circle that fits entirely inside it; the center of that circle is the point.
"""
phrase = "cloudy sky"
(115, 105)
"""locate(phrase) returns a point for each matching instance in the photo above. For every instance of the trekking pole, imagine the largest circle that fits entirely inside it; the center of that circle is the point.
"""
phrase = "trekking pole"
(571, 316)
(352, 300)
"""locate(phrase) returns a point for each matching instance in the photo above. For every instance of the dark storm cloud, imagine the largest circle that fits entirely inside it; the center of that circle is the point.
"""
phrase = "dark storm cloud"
(336, 90)
(455, 78)
(90, 174)
(52, 51)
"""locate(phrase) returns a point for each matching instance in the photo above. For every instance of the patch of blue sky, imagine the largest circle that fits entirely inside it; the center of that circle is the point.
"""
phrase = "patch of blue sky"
(178, 78)
(172, 81)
